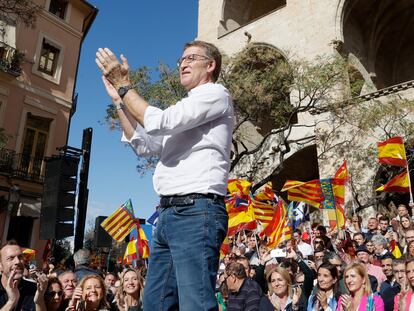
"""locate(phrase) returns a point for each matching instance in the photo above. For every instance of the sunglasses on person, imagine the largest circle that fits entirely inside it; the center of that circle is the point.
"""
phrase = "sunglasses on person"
(53, 293)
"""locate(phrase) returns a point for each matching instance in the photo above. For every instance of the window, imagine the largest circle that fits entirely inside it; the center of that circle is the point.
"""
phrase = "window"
(34, 146)
(58, 8)
(15, 231)
(49, 56)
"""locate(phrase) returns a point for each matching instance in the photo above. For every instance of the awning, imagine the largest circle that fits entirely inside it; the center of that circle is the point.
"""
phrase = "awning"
(29, 207)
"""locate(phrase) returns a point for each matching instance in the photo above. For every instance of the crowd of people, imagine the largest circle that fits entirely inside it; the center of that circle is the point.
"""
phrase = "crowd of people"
(80, 289)
(363, 267)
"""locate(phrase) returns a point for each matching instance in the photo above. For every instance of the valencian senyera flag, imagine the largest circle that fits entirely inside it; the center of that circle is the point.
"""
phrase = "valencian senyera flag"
(398, 184)
(392, 152)
(120, 223)
(337, 216)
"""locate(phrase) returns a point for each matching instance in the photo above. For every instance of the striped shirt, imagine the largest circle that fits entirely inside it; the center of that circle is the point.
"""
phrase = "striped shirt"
(247, 298)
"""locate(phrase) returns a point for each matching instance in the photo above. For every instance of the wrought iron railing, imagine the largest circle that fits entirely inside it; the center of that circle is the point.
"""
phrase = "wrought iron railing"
(10, 59)
(21, 165)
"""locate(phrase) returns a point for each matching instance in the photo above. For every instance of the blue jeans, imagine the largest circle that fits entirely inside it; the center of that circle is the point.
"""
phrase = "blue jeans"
(185, 250)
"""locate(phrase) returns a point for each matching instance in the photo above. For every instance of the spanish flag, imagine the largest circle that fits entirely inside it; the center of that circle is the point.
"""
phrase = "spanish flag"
(395, 250)
(398, 184)
(28, 254)
(239, 207)
(309, 192)
(392, 152)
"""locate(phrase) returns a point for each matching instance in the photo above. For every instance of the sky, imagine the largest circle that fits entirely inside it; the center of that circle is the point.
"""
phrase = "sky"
(146, 32)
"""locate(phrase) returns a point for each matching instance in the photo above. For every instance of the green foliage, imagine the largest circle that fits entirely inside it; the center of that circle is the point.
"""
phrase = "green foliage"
(260, 81)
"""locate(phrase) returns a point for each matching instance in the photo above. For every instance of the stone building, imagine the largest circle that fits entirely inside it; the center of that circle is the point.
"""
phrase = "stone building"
(38, 70)
(374, 37)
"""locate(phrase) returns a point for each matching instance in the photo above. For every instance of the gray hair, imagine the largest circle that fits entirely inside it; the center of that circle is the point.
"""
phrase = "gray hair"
(82, 257)
(380, 240)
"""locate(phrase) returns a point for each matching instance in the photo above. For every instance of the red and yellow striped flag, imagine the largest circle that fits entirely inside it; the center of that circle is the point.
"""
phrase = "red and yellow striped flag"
(309, 192)
(392, 152)
(278, 229)
(119, 224)
(398, 184)
(264, 205)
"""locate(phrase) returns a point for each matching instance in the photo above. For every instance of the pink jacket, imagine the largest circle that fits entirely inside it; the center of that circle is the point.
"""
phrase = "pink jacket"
(407, 301)
(378, 303)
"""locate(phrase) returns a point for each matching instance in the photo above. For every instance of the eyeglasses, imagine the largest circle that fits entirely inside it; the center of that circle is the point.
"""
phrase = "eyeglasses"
(191, 58)
(399, 271)
(52, 293)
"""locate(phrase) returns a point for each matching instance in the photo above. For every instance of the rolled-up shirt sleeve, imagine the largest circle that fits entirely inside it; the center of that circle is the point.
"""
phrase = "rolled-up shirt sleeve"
(207, 102)
(142, 143)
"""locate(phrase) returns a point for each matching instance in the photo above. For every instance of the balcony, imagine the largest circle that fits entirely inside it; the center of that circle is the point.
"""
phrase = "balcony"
(10, 60)
(20, 165)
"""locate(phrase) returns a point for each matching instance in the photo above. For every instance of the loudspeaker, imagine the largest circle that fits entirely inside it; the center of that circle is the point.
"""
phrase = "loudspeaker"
(59, 194)
(101, 238)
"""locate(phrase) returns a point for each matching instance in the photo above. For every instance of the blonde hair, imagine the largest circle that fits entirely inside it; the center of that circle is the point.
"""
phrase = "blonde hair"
(285, 275)
(103, 304)
(361, 270)
(120, 294)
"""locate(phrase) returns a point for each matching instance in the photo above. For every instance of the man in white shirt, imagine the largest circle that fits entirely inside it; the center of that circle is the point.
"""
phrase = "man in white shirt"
(304, 248)
(192, 140)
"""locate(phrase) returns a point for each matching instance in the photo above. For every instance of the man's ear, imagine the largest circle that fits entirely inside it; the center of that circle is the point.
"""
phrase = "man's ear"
(1, 268)
(211, 67)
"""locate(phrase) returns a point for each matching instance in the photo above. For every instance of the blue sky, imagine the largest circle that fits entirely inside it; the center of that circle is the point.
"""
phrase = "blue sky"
(146, 32)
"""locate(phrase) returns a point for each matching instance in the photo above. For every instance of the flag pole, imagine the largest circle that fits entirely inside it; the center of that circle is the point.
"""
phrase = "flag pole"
(409, 183)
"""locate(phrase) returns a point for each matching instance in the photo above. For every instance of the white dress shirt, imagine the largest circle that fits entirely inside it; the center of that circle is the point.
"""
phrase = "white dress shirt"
(192, 139)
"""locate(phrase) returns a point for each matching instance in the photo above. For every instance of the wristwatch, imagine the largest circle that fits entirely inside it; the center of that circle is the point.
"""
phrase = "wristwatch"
(124, 89)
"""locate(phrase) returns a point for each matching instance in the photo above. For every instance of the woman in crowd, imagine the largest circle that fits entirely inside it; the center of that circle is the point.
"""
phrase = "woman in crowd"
(90, 295)
(370, 246)
(53, 295)
(282, 295)
(404, 225)
(404, 300)
(325, 295)
(410, 250)
(129, 295)
(360, 296)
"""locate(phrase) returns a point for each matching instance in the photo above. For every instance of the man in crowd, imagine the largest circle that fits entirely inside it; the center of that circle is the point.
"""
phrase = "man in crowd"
(82, 259)
(244, 293)
(398, 281)
(110, 279)
(359, 238)
(364, 256)
(372, 228)
(193, 142)
(381, 247)
(15, 292)
(69, 282)
(387, 268)
(304, 248)
(383, 225)
(252, 246)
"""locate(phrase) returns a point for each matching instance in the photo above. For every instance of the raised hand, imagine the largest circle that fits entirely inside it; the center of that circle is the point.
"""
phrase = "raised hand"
(42, 280)
(346, 302)
(115, 72)
(11, 289)
(322, 298)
